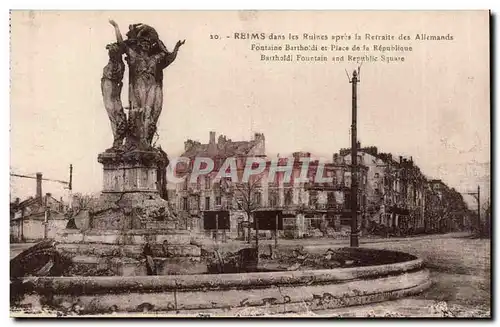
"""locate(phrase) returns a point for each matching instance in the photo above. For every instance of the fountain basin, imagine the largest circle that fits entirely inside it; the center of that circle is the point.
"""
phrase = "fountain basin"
(227, 294)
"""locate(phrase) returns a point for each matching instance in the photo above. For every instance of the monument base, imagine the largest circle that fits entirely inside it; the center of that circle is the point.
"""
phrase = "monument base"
(134, 210)
(132, 171)
(132, 184)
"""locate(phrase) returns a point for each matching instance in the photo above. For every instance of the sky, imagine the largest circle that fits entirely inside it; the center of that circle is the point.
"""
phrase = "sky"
(434, 107)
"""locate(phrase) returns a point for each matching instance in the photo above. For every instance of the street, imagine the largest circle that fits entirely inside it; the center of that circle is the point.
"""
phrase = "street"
(460, 271)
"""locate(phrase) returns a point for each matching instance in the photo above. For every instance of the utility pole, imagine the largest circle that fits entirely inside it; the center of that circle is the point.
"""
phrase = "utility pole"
(477, 196)
(70, 186)
(478, 209)
(354, 163)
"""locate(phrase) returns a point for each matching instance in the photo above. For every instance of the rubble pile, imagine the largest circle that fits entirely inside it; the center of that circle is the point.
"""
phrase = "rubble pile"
(42, 259)
(242, 261)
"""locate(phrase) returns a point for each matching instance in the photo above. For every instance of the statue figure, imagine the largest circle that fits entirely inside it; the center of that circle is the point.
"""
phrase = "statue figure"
(146, 56)
(111, 87)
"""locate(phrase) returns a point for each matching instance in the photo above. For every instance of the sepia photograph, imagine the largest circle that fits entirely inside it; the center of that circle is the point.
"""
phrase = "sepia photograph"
(250, 163)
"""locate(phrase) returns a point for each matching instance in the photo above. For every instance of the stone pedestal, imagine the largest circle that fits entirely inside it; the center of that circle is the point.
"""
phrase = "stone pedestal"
(130, 198)
(134, 171)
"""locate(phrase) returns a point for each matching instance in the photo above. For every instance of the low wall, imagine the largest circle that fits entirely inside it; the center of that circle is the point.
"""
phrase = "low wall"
(130, 237)
(34, 229)
(226, 294)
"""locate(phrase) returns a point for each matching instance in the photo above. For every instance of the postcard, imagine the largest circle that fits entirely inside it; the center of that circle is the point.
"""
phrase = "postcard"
(250, 164)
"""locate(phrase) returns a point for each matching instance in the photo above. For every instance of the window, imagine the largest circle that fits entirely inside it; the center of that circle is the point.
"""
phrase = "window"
(256, 198)
(207, 182)
(207, 203)
(186, 181)
(185, 203)
(288, 197)
(313, 198)
(377, 175)
(226, 183)
(334, 178)
(218, 200)
(331, 198)
(273, 199)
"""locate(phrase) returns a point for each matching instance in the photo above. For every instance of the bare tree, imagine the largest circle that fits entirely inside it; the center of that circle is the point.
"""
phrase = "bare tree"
(246, 198)
(82, 202)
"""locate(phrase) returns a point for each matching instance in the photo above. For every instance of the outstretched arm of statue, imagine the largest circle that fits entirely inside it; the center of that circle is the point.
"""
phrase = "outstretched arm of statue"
(170, 57)
(118, 34)
(178, 45)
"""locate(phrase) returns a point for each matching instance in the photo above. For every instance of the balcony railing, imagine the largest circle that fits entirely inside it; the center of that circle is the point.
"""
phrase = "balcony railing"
(326, 206)
(325, 186)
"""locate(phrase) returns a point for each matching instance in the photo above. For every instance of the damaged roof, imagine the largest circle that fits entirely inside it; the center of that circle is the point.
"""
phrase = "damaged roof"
(227, 149)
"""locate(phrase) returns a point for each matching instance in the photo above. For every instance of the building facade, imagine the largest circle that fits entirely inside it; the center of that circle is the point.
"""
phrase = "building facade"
(394, 192)
(36, 218)
(311, 198)
(394, 196)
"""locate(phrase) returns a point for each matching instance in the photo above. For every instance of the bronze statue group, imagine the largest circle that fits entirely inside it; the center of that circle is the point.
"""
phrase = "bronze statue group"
(146, 57)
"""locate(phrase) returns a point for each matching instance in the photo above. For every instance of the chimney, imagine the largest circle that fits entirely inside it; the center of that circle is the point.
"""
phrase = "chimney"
(212, 137)
(400, 159)
(17, 201)
(38, 185)
(212, 146)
